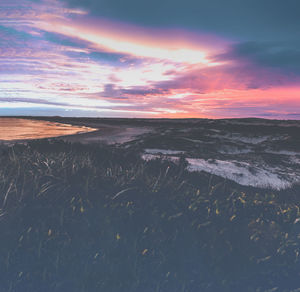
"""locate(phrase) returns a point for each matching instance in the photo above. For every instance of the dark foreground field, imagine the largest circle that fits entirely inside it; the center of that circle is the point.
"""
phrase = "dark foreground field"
(98, 218)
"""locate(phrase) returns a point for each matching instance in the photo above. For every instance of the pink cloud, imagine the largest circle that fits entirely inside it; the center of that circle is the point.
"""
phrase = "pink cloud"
(171, 73)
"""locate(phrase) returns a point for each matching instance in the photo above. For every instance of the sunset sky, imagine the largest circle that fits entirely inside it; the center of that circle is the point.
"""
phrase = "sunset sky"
(158, 58)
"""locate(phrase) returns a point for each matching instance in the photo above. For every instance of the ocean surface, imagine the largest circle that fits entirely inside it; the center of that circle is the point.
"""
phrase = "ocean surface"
(23, 129)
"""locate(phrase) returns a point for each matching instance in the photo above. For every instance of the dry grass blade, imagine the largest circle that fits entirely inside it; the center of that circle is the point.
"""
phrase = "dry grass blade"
(6, 195)
(122, 192)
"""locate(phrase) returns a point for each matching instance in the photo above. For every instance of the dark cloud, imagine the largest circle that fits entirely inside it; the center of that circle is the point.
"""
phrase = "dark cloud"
(142, 91)
(111, 92)
(248, 19)
(284, 56)
(65, 40)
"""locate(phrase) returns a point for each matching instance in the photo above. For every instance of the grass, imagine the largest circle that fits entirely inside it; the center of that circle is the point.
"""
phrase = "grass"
(97, 218)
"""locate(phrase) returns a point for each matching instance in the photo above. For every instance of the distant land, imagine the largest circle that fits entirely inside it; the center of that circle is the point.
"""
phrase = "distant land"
(250, 151)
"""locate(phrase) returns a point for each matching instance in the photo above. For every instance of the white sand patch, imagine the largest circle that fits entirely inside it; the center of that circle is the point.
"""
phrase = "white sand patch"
(234, 151)
(215, 130)
(283, 152)
(244, 139)
(195, 140)
(251, 140)
(245, 174)
(148, 157)
(164, 151)
(242, 173)
(294, 160)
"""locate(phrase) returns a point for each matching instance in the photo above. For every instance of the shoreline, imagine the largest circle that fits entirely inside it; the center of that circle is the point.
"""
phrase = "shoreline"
(90, 131)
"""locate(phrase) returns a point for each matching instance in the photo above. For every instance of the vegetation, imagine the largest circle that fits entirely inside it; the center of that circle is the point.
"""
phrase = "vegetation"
(98, 218)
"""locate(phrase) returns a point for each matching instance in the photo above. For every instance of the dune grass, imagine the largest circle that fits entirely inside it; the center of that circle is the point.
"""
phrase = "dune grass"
(97, 218)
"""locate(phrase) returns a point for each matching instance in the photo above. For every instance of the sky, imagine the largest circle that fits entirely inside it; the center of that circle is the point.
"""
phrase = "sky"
(152, 59)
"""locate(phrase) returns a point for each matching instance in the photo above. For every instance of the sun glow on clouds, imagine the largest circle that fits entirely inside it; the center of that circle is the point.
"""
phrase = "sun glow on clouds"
(116, 44)
(52, 56)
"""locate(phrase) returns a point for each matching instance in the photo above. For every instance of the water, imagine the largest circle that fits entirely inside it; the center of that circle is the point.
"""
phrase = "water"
(24, 129)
